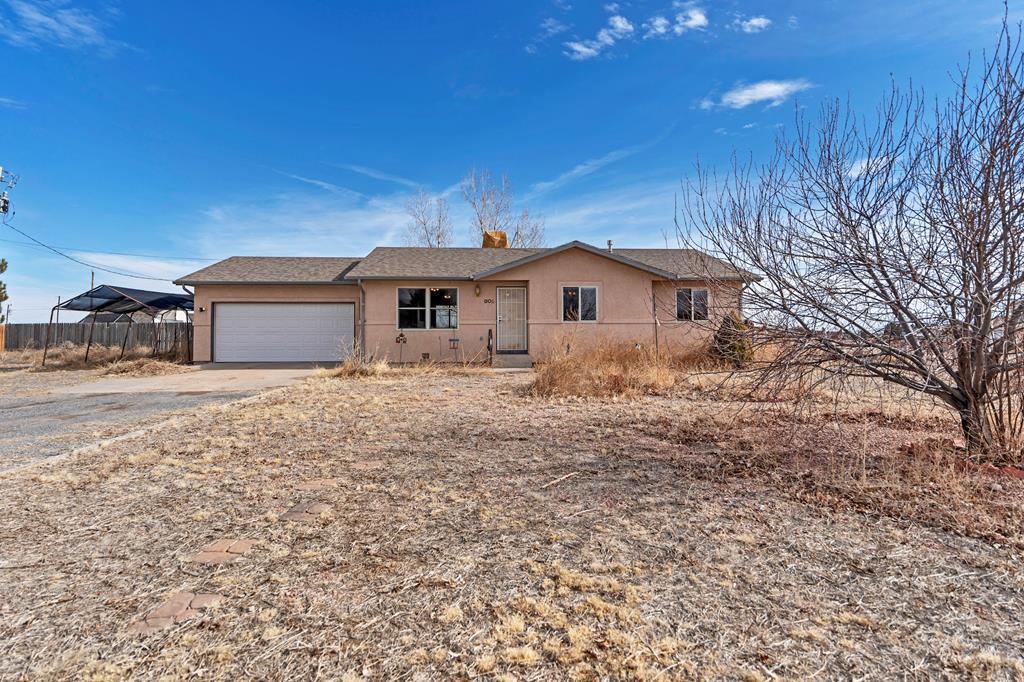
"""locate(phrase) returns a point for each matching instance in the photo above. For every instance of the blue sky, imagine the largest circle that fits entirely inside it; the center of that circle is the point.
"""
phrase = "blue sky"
(190, 132)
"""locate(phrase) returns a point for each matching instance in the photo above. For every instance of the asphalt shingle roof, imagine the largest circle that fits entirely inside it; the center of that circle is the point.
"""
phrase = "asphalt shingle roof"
(685, 263)
(397, 262)
(271, 269)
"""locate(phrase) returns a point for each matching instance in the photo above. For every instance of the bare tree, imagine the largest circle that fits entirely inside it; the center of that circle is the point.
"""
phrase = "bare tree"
(429, 224)
(492, 206)
(892, 247)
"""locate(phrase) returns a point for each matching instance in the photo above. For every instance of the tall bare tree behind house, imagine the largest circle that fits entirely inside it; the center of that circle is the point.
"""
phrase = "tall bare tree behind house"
(891, 246)
(492, 206)
(429, 222)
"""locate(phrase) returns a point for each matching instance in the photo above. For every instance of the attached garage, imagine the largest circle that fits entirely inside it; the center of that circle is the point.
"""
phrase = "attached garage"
(283, 332)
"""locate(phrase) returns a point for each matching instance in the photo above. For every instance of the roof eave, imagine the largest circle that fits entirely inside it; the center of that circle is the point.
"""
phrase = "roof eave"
(576, 244)
(196, 282)
(418, 278)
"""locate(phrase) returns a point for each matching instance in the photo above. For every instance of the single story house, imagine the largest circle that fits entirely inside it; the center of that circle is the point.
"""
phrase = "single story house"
(407, 304)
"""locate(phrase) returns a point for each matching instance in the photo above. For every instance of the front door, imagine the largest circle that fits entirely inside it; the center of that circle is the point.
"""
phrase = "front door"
(511, 320)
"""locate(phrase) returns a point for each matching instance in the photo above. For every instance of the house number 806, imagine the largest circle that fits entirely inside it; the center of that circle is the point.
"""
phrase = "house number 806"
(488, 300)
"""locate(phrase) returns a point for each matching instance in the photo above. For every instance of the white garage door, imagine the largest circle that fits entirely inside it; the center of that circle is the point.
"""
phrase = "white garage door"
(282, 332)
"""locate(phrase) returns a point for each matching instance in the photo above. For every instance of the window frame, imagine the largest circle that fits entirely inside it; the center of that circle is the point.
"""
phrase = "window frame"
(707, 305)
(426, 310)
(580, 287)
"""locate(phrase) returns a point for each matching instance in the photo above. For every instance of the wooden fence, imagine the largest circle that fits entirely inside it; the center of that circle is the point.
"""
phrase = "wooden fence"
(165, 336)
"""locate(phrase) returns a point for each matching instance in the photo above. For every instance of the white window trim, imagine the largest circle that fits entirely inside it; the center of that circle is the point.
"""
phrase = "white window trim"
(691, 290)
(561, 303)
(458, 309)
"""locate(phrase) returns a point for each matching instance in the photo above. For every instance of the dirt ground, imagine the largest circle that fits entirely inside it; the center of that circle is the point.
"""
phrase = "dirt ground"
(467, 530)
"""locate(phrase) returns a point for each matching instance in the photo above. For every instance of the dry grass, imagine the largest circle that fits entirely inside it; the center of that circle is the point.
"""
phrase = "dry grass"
(356, 368)
(476, 530)
(602, 371)
(145, 367)
(71, 356)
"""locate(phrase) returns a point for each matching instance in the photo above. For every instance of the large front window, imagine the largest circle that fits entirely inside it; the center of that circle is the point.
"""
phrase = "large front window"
(579, 304)
(428, 308)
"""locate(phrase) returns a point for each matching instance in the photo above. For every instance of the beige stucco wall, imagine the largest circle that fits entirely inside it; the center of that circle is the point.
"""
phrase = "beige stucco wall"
(477, 315)
(624, 304)
(209, 294)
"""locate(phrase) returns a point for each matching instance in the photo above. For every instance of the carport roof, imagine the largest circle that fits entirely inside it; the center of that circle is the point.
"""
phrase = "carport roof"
(273, 270)
(108, 298)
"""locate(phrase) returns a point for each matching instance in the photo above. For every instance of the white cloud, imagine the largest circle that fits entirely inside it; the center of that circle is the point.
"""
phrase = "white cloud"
(635, 214)
(656, 26)
(11, 103)
(753, 24)
(690, 19)
(865, 165)
(376, 174)
(552, 27)
(31, 23)
(583, 169)
(322, 184)
(619, 27)
(771, 91)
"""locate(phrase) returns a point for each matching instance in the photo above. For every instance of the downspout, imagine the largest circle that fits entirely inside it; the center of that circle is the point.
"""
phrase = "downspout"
(362, 320)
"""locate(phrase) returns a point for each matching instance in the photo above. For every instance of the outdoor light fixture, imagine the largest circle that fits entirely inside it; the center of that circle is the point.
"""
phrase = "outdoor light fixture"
(476, 290)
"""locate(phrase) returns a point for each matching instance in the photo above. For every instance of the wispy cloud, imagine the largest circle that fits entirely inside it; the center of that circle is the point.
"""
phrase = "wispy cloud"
(34, 23)
(618, 28)
(322, 184)
(590, 166)
(774, 92)
(11, 103)
(637, 214)
(377, 175)
(299, 223)
(552, 27)
(582, 170)
(752, 24)
(690, 18)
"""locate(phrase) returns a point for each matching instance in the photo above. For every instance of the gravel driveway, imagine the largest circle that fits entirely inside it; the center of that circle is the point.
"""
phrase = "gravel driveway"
(51, 413)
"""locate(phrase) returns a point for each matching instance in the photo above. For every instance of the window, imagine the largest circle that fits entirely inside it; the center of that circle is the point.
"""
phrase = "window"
(433, 308)
(579, 304)
(444, 308)
(691, 304)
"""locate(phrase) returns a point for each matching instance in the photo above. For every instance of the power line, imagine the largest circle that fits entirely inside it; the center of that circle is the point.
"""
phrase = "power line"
(112, 253)
(82, 262)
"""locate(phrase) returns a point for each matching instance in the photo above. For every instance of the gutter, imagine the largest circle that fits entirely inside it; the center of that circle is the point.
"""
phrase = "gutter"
(362, 320)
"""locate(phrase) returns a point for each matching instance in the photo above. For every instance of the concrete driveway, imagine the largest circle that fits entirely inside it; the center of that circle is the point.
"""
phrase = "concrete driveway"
(69, 416)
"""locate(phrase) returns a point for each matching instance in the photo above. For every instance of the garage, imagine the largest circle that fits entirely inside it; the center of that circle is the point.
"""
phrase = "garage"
(283, 332)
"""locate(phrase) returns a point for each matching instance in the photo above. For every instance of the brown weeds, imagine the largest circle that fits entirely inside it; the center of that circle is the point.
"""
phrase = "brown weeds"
(604, 370)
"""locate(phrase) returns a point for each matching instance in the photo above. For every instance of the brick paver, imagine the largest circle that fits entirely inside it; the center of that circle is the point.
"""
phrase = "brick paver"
(180, 607)
(307, 512)
(223, 551)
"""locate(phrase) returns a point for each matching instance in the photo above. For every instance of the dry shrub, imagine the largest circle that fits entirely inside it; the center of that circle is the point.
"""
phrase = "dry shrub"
(604, 370)
(355, 367)
(144, 367)
(69, 356)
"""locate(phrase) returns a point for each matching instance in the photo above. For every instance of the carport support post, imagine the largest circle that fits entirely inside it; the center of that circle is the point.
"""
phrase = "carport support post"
(92, 325)
(46, 346)
(124, 344)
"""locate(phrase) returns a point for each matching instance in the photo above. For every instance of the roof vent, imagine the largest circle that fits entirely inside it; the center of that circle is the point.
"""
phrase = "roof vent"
(609, 246)
(495, 239)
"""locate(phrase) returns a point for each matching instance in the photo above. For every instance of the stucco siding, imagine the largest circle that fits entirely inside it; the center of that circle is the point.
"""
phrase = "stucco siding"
(206, 295)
